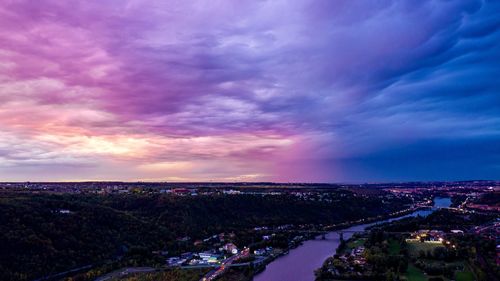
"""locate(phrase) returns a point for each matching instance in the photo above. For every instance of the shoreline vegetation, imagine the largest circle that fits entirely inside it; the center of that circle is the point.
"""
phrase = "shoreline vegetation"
(122, 231)
(417, 249)
(258, 268)
(54, 233)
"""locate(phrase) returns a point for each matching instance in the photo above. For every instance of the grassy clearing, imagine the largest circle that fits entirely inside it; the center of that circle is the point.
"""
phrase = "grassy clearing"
(415, 247)
(356, 243)
(415, 274)
(464, 276)
(394, 247)
(353, 244)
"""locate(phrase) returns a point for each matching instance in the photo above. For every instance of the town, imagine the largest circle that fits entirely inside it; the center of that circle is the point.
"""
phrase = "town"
(246, 250)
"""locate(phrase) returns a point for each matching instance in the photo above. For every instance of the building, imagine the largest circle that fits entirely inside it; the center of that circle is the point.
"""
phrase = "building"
(231, 248)
(208, 257)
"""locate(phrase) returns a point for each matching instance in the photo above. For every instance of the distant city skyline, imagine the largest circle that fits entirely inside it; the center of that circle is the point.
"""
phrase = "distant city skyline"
(274, 91)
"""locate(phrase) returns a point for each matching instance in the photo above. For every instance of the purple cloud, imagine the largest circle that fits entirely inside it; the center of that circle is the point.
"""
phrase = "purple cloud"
(253, 90)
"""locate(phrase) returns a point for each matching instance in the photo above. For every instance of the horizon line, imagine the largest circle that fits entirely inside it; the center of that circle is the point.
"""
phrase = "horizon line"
(252, 182)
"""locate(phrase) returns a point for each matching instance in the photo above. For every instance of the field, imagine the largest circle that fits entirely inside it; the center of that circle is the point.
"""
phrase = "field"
(356, 243)
(353, 244)
(394, 247)
(415, 274)
(464, 276)
(415, 247)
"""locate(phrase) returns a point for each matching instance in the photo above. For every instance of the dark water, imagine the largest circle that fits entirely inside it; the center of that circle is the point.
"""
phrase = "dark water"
(300, 263)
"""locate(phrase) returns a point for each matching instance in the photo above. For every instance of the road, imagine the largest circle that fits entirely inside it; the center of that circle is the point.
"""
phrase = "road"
(62, 274)
(225, 264)
(125, 271)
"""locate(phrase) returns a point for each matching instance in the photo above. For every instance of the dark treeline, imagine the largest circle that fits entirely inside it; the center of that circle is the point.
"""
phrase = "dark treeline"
(443, 219)
(42, 234)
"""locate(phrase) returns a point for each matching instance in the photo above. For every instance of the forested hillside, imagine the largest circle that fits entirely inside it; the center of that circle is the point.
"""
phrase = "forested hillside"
(47, 234)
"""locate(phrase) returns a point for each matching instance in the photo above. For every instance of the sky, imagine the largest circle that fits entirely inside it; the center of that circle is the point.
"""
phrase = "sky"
(249, 90)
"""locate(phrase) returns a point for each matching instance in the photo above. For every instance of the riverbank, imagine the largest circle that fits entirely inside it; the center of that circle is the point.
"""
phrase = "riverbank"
(441, 246)
(255, 269)
(301, 262)
(399, 214)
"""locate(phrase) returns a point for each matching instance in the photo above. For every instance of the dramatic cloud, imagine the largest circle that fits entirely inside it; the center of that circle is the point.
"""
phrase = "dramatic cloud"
(249, 90)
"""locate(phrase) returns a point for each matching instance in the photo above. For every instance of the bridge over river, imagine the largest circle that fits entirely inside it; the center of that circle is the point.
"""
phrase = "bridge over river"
(300, 263)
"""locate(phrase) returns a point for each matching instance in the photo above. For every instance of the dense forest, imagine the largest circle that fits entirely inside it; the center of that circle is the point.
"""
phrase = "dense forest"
(442, 219)
(43, 234)
(491, 198)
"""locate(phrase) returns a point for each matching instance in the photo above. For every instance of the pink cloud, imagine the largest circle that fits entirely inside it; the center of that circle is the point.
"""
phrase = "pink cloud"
(251, 90)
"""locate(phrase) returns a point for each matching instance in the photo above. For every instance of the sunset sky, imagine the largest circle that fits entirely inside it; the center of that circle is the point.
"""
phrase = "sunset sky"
(302, 90)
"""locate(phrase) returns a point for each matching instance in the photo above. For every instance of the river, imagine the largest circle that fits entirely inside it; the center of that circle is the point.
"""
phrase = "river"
(300, 263)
